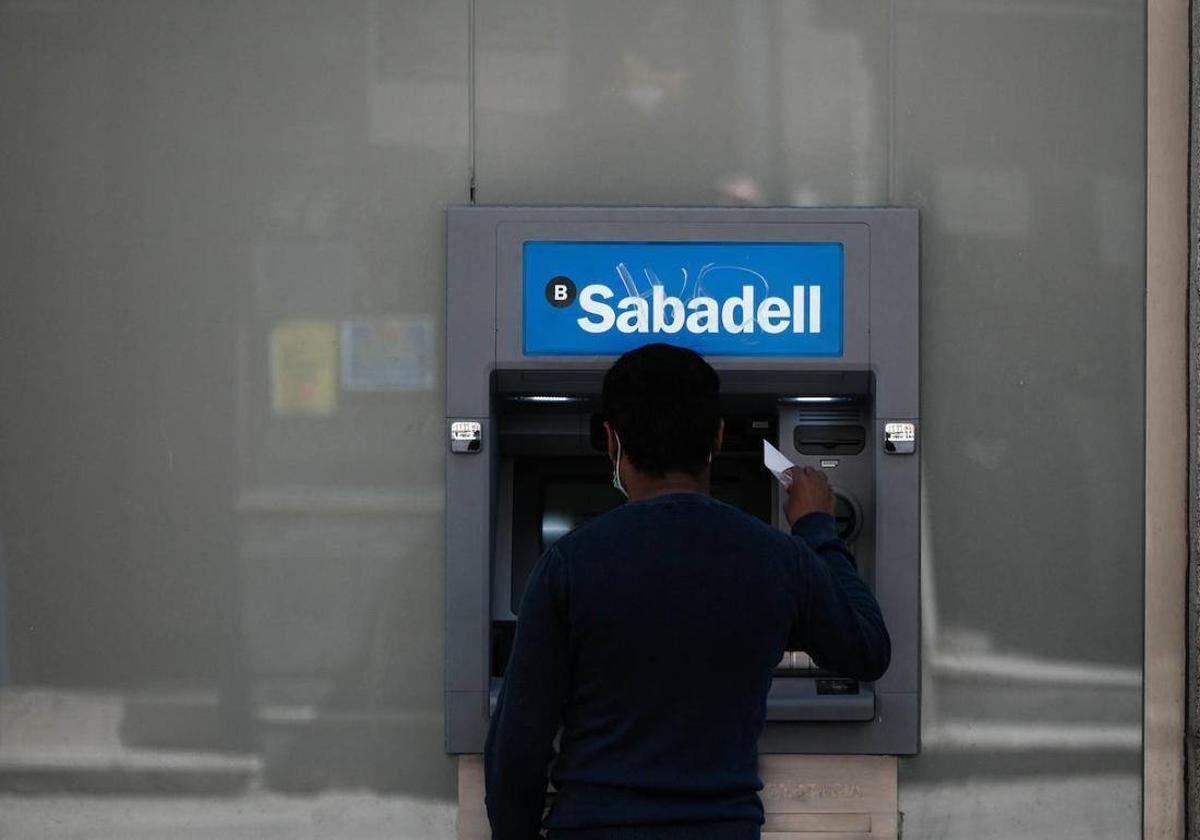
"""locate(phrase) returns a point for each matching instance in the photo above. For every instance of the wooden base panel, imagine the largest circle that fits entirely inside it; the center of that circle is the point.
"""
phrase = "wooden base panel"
(806, 797)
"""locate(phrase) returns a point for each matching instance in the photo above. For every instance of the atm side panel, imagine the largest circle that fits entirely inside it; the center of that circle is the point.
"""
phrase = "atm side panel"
(470, 357)
(895, 337)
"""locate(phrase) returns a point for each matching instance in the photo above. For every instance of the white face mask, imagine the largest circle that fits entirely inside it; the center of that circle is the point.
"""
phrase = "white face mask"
(617, 469)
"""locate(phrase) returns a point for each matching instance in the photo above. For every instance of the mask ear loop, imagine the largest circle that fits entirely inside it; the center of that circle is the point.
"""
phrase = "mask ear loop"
(616, 480)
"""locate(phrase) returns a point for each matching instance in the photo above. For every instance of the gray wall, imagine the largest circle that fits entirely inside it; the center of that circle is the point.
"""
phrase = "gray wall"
(209, 546)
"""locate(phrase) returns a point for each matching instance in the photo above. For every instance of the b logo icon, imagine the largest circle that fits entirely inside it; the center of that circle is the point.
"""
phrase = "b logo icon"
(560, 292)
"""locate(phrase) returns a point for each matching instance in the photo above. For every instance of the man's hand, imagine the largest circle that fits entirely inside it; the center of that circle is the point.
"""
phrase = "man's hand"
(808, 493)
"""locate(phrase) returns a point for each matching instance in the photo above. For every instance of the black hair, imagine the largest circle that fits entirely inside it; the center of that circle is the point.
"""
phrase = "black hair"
(664, 403)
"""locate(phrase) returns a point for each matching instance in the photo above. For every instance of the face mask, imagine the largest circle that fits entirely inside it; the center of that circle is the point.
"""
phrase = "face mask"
(617, 470)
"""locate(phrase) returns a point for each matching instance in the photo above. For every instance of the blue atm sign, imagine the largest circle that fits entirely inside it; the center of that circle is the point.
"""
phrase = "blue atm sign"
(718, 298)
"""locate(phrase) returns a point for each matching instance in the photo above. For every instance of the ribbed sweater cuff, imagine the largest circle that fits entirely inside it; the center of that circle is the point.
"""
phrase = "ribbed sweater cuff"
(815, 528)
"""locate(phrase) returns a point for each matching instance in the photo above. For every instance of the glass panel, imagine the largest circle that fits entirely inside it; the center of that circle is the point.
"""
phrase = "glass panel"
(220, 454)
(1019, 131)
(682, 102)
(220, 346)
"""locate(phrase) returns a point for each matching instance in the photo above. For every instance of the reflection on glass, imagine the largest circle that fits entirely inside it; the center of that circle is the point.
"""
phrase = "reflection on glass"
(683, 102)
(221, 492)
(220, 503)
(1017, 129)
(1032, 408)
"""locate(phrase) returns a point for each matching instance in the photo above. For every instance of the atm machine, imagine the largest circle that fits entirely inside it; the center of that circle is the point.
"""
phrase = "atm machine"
(810, 317)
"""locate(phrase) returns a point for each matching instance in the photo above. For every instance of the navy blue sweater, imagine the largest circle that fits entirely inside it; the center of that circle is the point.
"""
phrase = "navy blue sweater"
(650, 635)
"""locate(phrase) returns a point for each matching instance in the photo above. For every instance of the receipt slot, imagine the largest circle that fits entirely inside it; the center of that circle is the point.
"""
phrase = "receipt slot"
(810, 318)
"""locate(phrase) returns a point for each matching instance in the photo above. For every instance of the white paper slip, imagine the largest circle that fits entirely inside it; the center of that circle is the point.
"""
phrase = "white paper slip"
(777, 463)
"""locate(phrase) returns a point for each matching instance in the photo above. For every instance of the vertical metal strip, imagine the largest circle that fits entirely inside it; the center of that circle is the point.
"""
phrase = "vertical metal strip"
(891, 116)
(1167, 66)
(471, 98)
(1192, 715)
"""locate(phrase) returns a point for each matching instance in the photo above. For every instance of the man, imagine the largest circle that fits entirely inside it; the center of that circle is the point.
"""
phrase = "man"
(651, 633)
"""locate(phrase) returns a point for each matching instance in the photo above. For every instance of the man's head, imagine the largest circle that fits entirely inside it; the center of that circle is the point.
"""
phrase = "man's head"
(663, 404)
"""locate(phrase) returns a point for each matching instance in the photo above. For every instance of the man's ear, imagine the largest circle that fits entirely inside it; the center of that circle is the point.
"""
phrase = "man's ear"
(612, 441)
(720, 438)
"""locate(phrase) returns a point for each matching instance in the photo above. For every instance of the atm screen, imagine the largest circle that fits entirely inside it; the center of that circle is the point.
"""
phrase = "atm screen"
(554, 496)
(569, 505)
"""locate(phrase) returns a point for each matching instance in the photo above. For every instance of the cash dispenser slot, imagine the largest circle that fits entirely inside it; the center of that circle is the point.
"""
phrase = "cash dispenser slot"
(830, 439)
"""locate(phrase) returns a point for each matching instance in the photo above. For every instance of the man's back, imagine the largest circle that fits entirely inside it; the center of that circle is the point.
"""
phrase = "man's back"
(651, 633)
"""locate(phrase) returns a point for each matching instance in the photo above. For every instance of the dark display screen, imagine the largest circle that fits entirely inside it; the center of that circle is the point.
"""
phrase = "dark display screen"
(568, 505)
(554, 496)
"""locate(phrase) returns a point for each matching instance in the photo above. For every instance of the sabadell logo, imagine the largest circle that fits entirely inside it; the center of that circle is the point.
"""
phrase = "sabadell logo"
(667, 314)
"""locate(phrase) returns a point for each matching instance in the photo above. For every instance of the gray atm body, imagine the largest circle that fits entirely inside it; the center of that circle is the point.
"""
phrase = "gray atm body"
(525, 456)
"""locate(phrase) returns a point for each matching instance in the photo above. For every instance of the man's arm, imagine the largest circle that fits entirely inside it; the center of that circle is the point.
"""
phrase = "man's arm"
(841, 626)
(520, 742)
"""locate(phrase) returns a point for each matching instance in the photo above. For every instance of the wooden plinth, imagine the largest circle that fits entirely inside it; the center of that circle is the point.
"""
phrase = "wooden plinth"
(806, 797)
